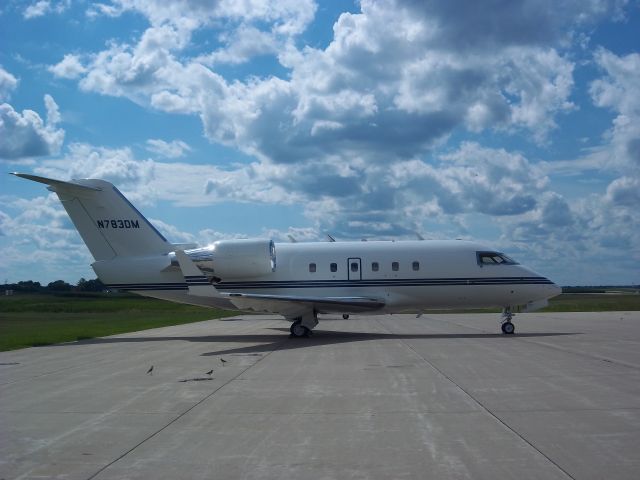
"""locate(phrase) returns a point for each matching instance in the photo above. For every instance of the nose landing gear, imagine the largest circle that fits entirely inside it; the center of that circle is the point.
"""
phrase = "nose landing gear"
(507, 326)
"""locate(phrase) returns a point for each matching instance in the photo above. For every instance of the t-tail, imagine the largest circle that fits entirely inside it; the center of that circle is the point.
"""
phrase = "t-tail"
(107, 222)
(131, 254)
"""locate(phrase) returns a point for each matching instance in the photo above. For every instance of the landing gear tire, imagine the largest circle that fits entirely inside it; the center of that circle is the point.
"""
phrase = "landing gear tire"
(345, 316)
(508, 328)
(298, 330)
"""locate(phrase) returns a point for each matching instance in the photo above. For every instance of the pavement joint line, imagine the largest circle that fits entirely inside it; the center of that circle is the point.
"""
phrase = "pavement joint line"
(578, 353)
(482, 406)
(202, 400)
(581, 375)
(569, 410)
(371, 413)
(551, 346)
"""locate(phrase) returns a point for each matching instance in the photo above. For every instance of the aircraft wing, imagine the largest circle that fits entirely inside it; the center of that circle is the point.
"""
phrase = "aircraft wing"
(287, 305)
(290, 304)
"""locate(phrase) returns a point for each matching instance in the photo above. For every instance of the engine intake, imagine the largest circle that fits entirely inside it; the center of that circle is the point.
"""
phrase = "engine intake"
(233, 258)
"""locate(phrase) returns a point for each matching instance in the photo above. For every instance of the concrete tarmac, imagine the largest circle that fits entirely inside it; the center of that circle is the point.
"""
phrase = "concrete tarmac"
(441, 396)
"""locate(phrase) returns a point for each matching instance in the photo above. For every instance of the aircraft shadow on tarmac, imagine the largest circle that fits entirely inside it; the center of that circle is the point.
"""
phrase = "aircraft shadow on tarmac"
(270, 342)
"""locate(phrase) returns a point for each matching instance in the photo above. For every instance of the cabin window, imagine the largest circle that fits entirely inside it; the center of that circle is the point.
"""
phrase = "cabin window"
(333, 267)
(374, 266)
(354, 266)
(494, 258)
(415, 266)
(312, 267)
(395, 266)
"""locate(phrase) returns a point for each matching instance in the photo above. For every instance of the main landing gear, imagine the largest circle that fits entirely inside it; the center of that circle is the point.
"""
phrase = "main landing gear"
(302, 326)
(299, 330)
(507, 326)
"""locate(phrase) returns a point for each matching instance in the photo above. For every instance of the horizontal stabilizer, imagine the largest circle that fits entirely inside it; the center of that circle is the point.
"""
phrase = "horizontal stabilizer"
(55, 183)
(184, 246)
(196, 281)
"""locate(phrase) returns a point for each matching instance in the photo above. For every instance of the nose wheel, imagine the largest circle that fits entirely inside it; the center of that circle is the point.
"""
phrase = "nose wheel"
(507, 327)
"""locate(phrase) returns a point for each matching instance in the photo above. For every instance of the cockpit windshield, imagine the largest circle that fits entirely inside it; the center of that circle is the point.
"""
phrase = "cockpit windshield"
(494, 258)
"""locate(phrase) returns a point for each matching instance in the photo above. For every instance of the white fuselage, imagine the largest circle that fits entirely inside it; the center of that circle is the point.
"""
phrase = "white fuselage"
(407, 276)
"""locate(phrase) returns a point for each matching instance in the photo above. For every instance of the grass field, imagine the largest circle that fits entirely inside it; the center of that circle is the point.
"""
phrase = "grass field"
(32, 319)
(594, 302)
(577, 302)
(28, 320)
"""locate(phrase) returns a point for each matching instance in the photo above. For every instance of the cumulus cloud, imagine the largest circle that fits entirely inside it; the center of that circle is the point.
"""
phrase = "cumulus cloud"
(491, 181)
(173, 149)
(619, 90)
(543, 81)
(473, 26)
(624, 191)
(603, 225)
(147, 181)
(37, 9)
(392, 84)
(251, 28)
(8, 83)
(561, 237)
(136, 72)
(172, 233)
(396, 200)
(69, 67)
(288, 16)
(118, 166)
(26, 134)
(241, 45)
(363, 198)
(43, 7)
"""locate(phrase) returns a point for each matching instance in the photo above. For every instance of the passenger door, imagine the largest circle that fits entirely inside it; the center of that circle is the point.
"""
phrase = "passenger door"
(354, 267)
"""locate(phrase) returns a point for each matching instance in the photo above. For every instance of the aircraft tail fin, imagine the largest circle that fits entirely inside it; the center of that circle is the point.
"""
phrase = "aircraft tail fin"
(107, 222)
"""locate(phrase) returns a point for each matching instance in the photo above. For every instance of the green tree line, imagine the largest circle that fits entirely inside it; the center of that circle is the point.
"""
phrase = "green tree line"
(83, 285)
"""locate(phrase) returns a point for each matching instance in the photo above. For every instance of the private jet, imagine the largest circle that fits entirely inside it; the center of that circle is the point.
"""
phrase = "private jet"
(297, 280)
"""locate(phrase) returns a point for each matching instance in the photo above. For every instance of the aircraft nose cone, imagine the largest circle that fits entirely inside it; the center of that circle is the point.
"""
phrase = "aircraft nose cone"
(555, 290)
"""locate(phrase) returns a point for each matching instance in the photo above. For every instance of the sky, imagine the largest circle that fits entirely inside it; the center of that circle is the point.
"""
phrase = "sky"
(511, 123)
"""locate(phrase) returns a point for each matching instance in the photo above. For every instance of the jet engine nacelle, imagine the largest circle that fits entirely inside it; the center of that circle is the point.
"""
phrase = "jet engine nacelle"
(226, 259)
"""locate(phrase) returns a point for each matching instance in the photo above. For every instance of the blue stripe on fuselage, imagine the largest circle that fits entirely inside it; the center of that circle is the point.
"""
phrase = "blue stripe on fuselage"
(404, 282)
